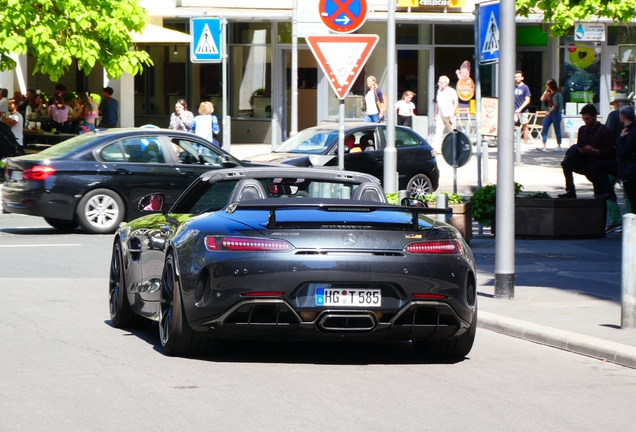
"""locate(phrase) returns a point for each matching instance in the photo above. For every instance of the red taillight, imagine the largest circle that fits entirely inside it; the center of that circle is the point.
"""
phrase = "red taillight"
(451, 247)
(246, 244)
(263, 294)
(38, 173)
(429, 296)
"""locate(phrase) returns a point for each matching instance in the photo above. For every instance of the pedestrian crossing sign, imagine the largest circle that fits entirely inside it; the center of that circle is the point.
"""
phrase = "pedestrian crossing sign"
(206, 45)
(488, 24)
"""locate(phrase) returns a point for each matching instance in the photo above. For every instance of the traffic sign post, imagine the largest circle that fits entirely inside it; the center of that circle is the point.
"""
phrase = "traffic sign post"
(343, 16)
(341, 58)
(488, 43)
(206, 45)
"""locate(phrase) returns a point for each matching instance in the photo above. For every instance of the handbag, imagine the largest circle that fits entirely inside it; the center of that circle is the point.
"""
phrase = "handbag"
(381, 105)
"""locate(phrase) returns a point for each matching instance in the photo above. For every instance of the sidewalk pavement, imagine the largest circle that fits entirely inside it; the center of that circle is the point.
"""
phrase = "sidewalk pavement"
(567, 293)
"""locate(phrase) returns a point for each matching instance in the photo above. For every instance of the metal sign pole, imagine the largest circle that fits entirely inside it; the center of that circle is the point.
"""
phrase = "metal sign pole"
(341, 133)
(226, 118)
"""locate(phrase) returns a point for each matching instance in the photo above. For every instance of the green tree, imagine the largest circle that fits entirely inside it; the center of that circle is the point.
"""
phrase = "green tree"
(562, 14)
(57, 32)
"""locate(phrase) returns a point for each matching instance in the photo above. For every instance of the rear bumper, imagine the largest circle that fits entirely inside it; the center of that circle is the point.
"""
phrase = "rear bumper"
(37, 202)
(275, 319)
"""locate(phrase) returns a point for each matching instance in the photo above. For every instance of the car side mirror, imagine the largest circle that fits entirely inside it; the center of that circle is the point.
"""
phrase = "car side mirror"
(151, 203)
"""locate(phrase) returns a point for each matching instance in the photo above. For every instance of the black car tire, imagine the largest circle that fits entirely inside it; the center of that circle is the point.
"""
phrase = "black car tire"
(61, 224)
(419, 186)
(177, 337)
(100, 211)
(121, 314)
(457, 348)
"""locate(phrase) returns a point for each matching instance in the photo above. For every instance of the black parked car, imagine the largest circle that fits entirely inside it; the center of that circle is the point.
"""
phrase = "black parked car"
(318, 146)
(293, 254)
(96, 180)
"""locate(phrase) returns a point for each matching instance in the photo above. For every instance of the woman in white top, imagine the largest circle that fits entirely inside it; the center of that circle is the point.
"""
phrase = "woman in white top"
(405, 109)
(372, 114)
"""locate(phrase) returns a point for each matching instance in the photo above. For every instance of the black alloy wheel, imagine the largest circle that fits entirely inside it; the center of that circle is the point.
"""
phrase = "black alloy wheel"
(121, 314)
(177, 337)
(456, 348)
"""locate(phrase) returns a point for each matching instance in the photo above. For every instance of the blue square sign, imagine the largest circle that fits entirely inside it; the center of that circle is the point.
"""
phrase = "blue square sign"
(488, 43)
(206, 45)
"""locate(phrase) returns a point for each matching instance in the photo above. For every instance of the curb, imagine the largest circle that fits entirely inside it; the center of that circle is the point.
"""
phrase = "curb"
(613, 352)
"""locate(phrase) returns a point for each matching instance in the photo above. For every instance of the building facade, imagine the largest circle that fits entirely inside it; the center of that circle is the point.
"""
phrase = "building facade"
(430, 41)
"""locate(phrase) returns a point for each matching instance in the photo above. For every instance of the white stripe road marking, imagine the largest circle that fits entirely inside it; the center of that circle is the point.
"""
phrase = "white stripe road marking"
(40, 245)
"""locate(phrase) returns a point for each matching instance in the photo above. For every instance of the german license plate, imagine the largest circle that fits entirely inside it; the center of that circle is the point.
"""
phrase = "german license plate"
(16, 175)
(348, 297)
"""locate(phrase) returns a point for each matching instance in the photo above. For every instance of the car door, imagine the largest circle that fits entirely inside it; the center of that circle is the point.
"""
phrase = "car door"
(371, 159)
(193, 157)
(143, 170)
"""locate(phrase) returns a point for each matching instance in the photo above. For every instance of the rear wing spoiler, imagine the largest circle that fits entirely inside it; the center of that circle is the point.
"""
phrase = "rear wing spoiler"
(365, 207)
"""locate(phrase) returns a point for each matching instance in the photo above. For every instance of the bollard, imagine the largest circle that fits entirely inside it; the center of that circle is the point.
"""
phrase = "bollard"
(628, 271)
(441, 202)
(518, 146)
(401, 195)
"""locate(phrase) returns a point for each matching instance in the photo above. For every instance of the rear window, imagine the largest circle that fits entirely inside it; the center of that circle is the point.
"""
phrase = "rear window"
(68, 146)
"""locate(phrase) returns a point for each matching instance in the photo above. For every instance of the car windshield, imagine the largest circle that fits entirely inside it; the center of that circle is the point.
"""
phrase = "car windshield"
(68, 145)
(309, 141)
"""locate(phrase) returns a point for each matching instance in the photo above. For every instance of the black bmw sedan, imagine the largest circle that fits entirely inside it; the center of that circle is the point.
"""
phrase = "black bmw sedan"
(318, 146)
(95, 180)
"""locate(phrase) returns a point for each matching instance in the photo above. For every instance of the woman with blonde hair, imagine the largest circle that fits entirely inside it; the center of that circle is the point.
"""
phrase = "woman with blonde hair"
(373, 101)
(205, 124)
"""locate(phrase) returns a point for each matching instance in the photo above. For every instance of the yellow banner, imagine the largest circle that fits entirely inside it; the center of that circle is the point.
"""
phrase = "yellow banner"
(429, 3)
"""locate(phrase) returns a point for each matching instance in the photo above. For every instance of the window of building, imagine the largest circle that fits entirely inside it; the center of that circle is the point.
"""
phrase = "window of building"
(580, 73)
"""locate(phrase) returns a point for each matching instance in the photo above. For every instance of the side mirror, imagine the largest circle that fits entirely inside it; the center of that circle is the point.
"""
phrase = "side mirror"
(151, 203)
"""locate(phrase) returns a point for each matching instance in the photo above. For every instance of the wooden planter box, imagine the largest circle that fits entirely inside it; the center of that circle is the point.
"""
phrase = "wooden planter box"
(559, 218)
(462, 219)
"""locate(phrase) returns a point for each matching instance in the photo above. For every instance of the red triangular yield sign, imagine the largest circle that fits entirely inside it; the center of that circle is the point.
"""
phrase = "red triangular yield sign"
(342, 57)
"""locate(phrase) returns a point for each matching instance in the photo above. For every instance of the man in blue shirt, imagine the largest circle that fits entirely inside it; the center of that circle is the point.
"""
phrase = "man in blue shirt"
(522, 100)
(108, 109)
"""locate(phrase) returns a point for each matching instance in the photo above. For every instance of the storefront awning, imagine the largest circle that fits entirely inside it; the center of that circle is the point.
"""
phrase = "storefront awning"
(152, 34)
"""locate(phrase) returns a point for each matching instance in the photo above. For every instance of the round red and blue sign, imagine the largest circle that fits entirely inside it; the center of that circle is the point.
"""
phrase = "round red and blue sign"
(343, 16)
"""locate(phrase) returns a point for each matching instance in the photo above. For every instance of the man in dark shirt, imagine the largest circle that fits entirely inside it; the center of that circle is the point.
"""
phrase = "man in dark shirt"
(626, 152)
(108, 109)
(595, 142)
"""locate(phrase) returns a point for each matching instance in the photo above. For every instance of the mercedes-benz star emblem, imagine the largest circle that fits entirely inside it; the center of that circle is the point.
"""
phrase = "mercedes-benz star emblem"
(349, 239)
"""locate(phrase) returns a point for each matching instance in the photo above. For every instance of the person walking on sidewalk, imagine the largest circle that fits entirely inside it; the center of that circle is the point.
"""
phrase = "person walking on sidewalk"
(373, 101)
(445, 109)
(522, 100)
(616, 126)
(595, 142)
(553, 98)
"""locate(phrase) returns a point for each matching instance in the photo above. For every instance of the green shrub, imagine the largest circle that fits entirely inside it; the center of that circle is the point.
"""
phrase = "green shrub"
(452, 198)
(484, 200)
(538, 195)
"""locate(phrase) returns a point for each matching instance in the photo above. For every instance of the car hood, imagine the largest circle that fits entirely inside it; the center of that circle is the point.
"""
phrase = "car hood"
(294, 159)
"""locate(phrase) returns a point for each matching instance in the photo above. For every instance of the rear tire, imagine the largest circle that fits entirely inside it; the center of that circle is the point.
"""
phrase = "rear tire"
(61, 224)
(121, 314)
(100, 211)
(457, 348)
(419, 186)
(177, 337)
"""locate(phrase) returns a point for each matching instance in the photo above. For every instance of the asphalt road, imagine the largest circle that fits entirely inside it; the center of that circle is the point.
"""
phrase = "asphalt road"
(64, 368)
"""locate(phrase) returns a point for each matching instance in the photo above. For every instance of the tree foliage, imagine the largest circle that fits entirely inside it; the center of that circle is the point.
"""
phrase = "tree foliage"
(57, 32)
(562, 14)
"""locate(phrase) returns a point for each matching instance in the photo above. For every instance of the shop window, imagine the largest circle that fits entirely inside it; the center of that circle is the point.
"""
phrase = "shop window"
(453, 34)
(244, 33)
(580, 66)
